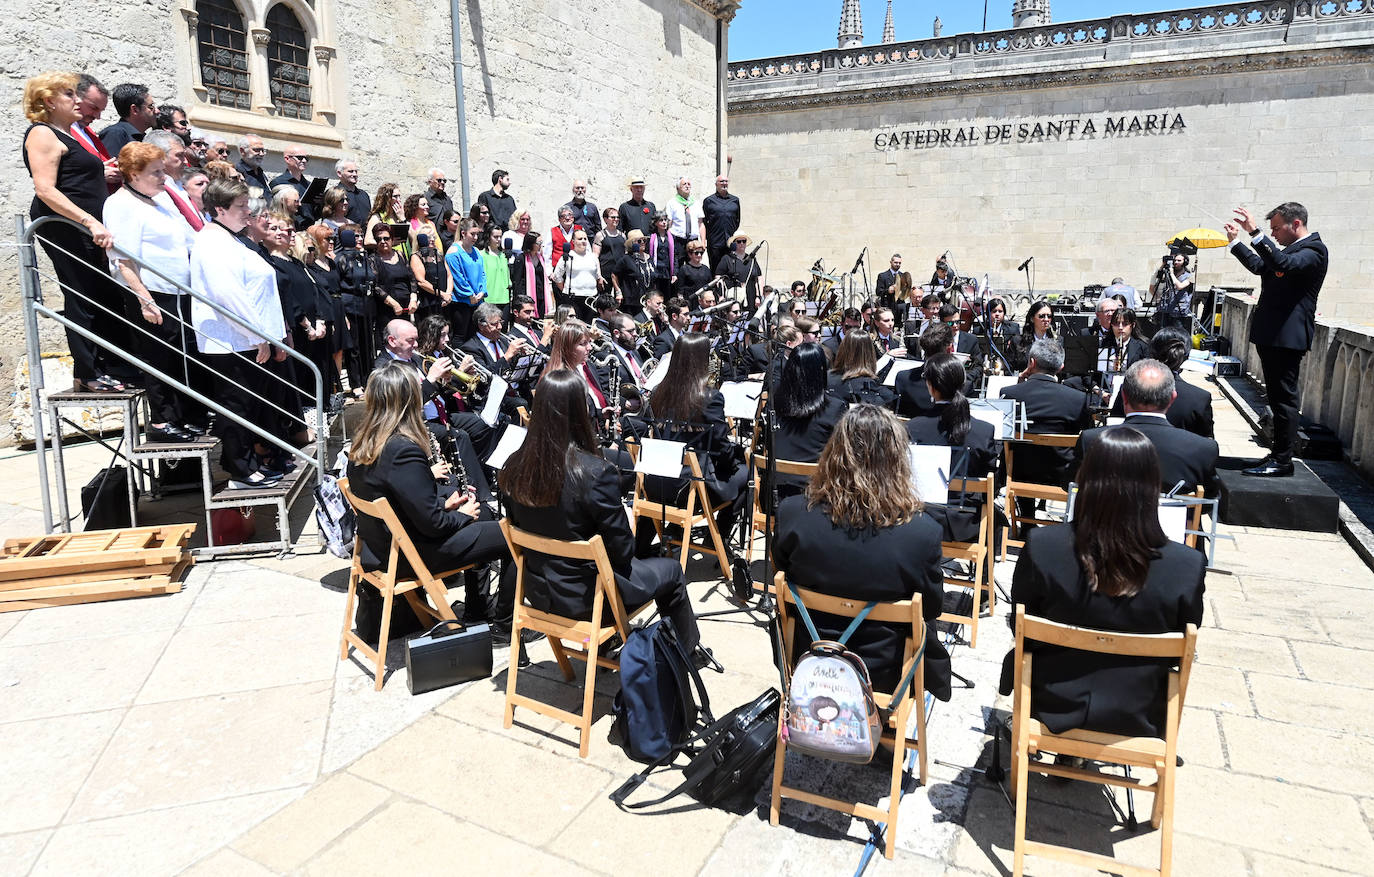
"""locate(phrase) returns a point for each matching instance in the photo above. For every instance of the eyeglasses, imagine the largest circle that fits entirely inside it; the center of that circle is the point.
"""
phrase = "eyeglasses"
(384, 240)
(293, 157)
(439, 181)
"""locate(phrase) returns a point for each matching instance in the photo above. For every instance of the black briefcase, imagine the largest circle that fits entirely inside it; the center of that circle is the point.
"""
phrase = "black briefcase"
(105, 500)
(447, 654)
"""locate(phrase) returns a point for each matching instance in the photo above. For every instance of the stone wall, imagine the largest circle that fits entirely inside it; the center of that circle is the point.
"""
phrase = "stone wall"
(553, 92)
(1337, 378)
(930, 146)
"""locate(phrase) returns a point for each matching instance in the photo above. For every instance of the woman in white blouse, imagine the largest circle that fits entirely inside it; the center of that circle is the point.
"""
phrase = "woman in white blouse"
(578, 279)
(149, 227)
(241, 282)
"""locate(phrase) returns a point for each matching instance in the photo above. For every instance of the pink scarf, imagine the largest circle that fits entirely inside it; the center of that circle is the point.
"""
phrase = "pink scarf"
(530, 260)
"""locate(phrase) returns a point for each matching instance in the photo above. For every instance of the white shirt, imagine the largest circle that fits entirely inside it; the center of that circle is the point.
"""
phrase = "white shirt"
(682, 221)
(153, 233)
(580, 273)
(238, 280)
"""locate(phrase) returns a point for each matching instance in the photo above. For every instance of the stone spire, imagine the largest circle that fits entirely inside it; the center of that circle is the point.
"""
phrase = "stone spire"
(1030, 13)
(851, 25)
(889, 32)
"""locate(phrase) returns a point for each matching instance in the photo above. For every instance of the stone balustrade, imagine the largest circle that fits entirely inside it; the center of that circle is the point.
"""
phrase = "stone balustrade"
(1334, 389)
(1150, 32)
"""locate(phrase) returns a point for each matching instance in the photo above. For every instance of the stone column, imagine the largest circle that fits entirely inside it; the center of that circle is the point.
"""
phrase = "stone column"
(725, 13)
(193, 28)
(259, 84)
(321, 89)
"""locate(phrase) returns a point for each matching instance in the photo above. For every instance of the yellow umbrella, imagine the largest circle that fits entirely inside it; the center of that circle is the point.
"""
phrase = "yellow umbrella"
(1204, 238)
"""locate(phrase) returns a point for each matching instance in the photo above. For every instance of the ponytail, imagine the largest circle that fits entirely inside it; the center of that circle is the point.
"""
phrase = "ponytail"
(955, 419)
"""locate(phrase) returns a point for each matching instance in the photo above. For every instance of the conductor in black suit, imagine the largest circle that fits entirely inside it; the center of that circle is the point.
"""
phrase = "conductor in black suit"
(1111, 568)
(1147, 391)
(1284, 320)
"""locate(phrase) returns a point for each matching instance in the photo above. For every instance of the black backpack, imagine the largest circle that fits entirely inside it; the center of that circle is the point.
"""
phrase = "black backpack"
(655, 709)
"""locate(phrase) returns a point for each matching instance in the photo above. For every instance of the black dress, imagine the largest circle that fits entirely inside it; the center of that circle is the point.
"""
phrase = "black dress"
(397, 281)
(81, 177)
(326, 276)
(612, 250)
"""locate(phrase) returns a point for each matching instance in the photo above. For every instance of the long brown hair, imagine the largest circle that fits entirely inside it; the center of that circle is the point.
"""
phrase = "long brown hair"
(863, 478)
(569, 333)
(856, 357)
(1116, 531)
(682, 394)
(560, 428)
(392, 407)
(381, 202)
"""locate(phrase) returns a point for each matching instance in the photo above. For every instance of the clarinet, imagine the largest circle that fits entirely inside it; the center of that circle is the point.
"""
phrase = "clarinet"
(455, 462)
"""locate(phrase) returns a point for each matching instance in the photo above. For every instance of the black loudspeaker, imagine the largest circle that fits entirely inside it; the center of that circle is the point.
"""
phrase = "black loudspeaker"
(105, 500)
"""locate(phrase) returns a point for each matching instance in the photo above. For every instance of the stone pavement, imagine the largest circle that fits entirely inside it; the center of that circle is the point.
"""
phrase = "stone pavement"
(215, 731)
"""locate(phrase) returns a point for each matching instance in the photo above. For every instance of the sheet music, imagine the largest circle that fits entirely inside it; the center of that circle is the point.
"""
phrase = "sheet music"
(997, 383)
(510, 442)
(659, 457)
(741, 398)
(1173, 518)
(737, 334)
(899, 366)
(491, 409)
(930, 471)
(1116, 390)
(660, 370)
(883, 363)
(999, 413)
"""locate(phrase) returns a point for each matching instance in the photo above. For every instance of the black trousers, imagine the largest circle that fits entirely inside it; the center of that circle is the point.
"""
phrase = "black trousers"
(1280, 366)
(480, 542)
(241, 383)
(660, 579)
(176, 357)
(90, 298)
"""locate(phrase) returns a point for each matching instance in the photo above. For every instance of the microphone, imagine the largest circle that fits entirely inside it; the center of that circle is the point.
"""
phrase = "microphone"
(859, 261)
(754, 252)
(1022, 266)
(725, 305)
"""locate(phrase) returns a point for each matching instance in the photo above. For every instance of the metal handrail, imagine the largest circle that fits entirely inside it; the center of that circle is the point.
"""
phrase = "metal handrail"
(34, 306)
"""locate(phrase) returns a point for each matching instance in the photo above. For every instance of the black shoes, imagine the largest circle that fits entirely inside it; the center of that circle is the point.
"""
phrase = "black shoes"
(500, 635)
(169, 434)
(1270, 468)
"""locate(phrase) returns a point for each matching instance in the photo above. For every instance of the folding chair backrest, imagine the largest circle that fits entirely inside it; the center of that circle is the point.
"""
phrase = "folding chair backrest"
(785, 467)
(593, 549)
(895, 611)
(1039, 439)
(381, 509)
(1179, 646)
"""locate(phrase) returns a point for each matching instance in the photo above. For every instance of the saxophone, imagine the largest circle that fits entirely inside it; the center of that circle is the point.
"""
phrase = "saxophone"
(1120, 354)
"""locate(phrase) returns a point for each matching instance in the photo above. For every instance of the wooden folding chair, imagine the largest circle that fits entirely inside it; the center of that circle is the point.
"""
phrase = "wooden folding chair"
(390, 584)
(698, 510)
(894, 731)
(583, 638)
(758, 518)
(1031, 489)
(977, 553)
(1029, 737)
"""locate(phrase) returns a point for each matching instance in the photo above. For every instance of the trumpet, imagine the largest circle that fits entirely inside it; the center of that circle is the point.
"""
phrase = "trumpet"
(537, 356)
(468, 380)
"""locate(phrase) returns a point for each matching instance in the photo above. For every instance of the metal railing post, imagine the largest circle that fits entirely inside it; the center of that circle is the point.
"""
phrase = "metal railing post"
(28, 284)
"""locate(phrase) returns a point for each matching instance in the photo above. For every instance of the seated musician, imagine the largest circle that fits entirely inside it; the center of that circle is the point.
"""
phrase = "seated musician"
(1051, 407)
(679, 317)
(1192, 406)
(1111, 568)
(705, 300)
(634, 370)
(964, 342)
(557, 485)
(860, 531)
(1147, 393)
(489, 347)
(523, 323)
(605, 308)
(686, 408)
(1102, 329)
(885, 332)
(851, 320)
(930, 312)
(913, 397)
(652, 312)
(786, 337)
(1128, 348)
(806, 414)
(854, 371)
(942, 276)
(949, 423)
(427, 355)
(1001, 332)
(1039, 323)
(572, 347)
(391, 457)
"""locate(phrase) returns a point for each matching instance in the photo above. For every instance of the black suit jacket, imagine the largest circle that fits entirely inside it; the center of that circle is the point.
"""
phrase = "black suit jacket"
(889, 564)
(663, 343)
(1050, 407)
(1192, 410)
(913, 397)
(869, 390)
(1290, 281)
(882, 288)
(587, 507)
(402, 475)
(477, 347)
(801, 440)
(428, 389)
(1108, 693)
(1183, 456)
(975, 458)
(758, 358)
